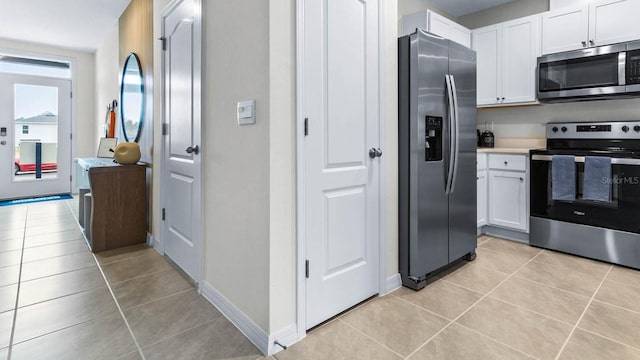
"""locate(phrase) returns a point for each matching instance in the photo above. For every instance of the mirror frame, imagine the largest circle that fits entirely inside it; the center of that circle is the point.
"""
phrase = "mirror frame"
(123, 104)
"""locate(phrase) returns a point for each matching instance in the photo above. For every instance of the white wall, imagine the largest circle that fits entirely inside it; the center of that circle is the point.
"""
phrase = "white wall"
(107, 75)
(236, 158)
(83, 87)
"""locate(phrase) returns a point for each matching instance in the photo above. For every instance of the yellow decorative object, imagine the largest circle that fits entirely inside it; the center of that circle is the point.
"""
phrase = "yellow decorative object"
(127, 153)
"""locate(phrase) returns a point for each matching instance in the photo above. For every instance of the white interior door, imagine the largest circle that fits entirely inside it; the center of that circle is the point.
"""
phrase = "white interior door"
(35, 136)
(182, 159)
(340, 98)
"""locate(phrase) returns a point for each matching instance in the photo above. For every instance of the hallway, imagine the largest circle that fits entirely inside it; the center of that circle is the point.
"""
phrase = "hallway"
(59, 301)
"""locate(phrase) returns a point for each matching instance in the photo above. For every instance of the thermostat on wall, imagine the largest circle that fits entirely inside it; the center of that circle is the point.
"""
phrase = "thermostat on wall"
(246, 112)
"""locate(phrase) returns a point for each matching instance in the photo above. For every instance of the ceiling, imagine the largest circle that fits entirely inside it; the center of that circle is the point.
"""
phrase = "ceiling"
(463, 7)
(75, 24)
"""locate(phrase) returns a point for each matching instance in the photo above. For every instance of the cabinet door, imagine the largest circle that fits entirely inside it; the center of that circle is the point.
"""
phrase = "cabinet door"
(508, 199)
(565, 29)
(486, 43)
(612, 21)
(460, 34)
(482, 198)
(521, 48)
(448, 29)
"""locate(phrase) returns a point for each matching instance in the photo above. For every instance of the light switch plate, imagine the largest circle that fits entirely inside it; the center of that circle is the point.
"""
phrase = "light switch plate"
(246, 112)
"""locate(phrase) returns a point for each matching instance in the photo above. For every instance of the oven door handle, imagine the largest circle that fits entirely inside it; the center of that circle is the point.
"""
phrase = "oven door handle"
(580, 159)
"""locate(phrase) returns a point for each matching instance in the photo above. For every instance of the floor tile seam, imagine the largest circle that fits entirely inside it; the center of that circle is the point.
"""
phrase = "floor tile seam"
(136, 277)
(496, 340)
(57, 256)
(57, 224)
(551, 286)
(616, 306)
(125, 259)
(484, 267)
(139, 277)
(115, 300)
(460, 286)
(58, 297)
(624, 283)
(510, 254)
(158, 299)
(424, 308)
(586, 308)
(15, 304)
(371, 338)
(637, 348)
(65, 328)
(59, 273)
(567, 268)
(473, 305)
(532, 311)
(180, 333)
(54, 243)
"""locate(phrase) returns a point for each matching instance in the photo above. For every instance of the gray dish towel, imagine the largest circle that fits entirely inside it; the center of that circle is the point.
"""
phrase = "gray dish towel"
(597, 178)
(563, 177)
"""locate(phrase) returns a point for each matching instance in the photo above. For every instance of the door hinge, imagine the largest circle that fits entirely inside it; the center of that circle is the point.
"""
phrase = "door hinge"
(164, 214)
(70, 136)
(164, 42)
(306, 269)
(165, 128)
(70, 178)
(71, 94)
(306, 126)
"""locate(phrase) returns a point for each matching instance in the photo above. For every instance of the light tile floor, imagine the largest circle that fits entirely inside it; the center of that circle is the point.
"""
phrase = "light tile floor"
(59, 301)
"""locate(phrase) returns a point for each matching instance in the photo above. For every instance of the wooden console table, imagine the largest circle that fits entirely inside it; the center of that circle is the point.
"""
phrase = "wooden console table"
(118, 205)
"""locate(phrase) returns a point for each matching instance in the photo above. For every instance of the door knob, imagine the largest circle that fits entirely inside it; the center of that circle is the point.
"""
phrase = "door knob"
(374, 153)
(193, 149)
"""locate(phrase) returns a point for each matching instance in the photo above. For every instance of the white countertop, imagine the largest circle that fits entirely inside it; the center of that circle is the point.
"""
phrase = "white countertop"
(504, 150)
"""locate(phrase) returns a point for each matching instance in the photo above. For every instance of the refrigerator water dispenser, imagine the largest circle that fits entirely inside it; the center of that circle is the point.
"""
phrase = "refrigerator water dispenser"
(433, 139)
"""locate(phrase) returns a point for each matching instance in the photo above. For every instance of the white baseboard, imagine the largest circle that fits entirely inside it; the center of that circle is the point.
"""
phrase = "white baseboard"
(250, 329)
(286, 336)
(394, 282)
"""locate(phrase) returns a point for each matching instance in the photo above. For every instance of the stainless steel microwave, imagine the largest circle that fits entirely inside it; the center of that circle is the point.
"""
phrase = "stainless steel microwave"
(603, 72)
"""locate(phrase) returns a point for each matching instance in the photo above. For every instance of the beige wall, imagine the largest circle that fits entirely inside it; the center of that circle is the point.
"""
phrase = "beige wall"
(107, 74)
(508, 11)
(84, 142)
(236, 158)
(405, 7)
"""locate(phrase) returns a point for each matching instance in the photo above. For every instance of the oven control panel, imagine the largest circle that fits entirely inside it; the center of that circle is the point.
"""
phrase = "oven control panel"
(595, 130)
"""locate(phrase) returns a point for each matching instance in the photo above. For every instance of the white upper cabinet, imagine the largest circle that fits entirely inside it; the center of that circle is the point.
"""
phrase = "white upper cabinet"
(436, 24)
(506, 61)
(601, 22)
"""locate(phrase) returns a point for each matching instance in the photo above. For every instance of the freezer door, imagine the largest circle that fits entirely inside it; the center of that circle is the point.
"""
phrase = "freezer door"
(428, 245)
(462, 199)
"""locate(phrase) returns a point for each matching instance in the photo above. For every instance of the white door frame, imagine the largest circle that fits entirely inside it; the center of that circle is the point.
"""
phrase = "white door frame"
(74, 87)
(197, 111)
(301, 170)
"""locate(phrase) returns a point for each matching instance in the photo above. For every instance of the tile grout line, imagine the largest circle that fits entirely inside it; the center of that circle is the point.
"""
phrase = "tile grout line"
(371, 338)
(610, 339)
(15, 307)
(133, 337)
(583, 313)
(474, 304)
(616, 306)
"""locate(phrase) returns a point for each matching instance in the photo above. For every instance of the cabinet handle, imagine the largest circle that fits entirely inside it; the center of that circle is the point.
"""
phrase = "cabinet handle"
(505, 163)
(503, 98)
(592, 42)
(497, 99)
(477, 177)
(521, 179)
(584, 44)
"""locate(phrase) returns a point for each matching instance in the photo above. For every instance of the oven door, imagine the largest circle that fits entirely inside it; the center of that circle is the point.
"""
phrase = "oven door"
(594, 72)
(621, 213)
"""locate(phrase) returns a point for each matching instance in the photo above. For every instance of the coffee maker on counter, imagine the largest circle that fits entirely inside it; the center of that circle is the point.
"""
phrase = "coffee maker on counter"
(486, 139)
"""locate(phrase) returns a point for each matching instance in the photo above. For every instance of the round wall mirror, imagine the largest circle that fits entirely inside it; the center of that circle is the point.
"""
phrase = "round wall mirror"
(132, 98)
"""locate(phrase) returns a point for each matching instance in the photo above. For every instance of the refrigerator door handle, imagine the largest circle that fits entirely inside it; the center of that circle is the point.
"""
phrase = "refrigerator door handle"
(456, 138)
(452, 115)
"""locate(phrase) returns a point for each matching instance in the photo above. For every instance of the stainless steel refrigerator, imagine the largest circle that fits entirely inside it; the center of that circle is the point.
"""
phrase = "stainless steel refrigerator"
(437, 155)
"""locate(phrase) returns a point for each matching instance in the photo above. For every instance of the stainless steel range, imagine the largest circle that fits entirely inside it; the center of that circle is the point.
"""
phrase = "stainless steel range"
(585, 191)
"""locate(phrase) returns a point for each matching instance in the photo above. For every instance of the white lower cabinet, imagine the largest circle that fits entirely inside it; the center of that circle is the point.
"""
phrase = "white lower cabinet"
(508, 199)
(503, 188)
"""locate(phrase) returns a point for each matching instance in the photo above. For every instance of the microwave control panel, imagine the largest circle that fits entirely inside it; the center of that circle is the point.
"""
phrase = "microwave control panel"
(633, 67)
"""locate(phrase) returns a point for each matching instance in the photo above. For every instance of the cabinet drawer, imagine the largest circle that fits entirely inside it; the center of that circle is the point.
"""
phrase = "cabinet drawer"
(481, 162)
(507, 162)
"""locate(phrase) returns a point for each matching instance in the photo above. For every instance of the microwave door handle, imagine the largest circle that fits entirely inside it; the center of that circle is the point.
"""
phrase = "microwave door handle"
(456, 131)
(622, 66)
(451, 110)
